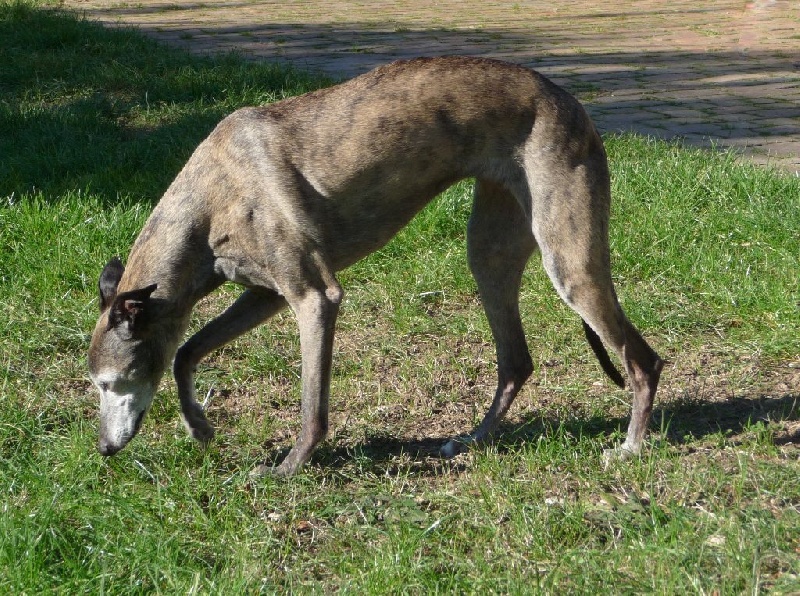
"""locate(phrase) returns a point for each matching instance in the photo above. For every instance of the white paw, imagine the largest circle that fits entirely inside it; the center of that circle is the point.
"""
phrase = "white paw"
(454, 447)
(260, 471)
(621, 453)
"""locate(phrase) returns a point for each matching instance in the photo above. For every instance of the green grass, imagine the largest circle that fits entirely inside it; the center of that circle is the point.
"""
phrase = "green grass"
(707, 259)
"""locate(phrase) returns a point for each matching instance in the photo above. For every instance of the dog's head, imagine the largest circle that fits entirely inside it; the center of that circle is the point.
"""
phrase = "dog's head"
(126, 359)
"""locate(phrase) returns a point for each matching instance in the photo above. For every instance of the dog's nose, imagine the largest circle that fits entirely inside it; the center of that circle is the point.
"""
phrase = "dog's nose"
(105, 448)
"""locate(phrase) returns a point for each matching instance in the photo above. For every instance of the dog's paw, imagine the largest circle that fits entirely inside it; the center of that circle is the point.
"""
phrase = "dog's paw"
(619, 454)
(264, 470)
(260, 471)
(203, 433)
(455, 447)
(197, 425)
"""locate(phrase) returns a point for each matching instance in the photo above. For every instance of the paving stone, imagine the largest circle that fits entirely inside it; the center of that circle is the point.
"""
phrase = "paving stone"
(684, 63)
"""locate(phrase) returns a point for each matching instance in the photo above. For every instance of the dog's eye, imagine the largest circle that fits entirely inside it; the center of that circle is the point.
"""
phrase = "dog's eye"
(103, 387)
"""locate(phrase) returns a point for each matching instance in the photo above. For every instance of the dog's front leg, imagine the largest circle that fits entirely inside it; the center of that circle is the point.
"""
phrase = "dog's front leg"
(316, 314)
(252, 308)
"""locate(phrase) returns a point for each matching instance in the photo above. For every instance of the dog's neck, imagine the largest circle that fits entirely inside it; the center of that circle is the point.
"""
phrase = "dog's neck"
(173, 253)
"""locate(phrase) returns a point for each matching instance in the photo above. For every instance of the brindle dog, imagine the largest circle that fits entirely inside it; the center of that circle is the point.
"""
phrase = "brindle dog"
(278, 198)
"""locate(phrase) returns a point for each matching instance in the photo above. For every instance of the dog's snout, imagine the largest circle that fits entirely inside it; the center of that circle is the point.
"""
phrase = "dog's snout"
(106, 448)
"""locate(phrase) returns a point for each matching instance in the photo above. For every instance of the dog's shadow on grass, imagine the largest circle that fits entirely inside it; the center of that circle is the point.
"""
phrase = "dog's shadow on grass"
(690, 419)
(679, 422)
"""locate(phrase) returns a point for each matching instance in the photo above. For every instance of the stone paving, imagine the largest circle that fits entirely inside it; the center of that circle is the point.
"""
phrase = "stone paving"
(725, 72)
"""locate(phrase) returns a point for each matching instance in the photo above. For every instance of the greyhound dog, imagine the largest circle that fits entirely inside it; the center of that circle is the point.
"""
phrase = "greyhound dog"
(278, 198)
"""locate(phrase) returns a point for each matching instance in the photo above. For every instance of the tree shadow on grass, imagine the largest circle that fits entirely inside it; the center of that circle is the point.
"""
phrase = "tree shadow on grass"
(111, 112)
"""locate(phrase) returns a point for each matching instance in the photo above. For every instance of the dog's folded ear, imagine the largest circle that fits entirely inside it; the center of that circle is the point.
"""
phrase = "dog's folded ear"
(129, 309)
(109, 280)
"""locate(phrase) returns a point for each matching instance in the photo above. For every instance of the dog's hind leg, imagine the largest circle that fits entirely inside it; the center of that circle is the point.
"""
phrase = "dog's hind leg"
(252, 308)
(570, 222)
(499, 244)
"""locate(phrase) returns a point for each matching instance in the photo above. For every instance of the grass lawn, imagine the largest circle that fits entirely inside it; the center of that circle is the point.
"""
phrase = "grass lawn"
(95, 123)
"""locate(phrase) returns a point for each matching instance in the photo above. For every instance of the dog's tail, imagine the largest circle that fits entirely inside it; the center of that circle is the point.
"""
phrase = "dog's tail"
(602, 356)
